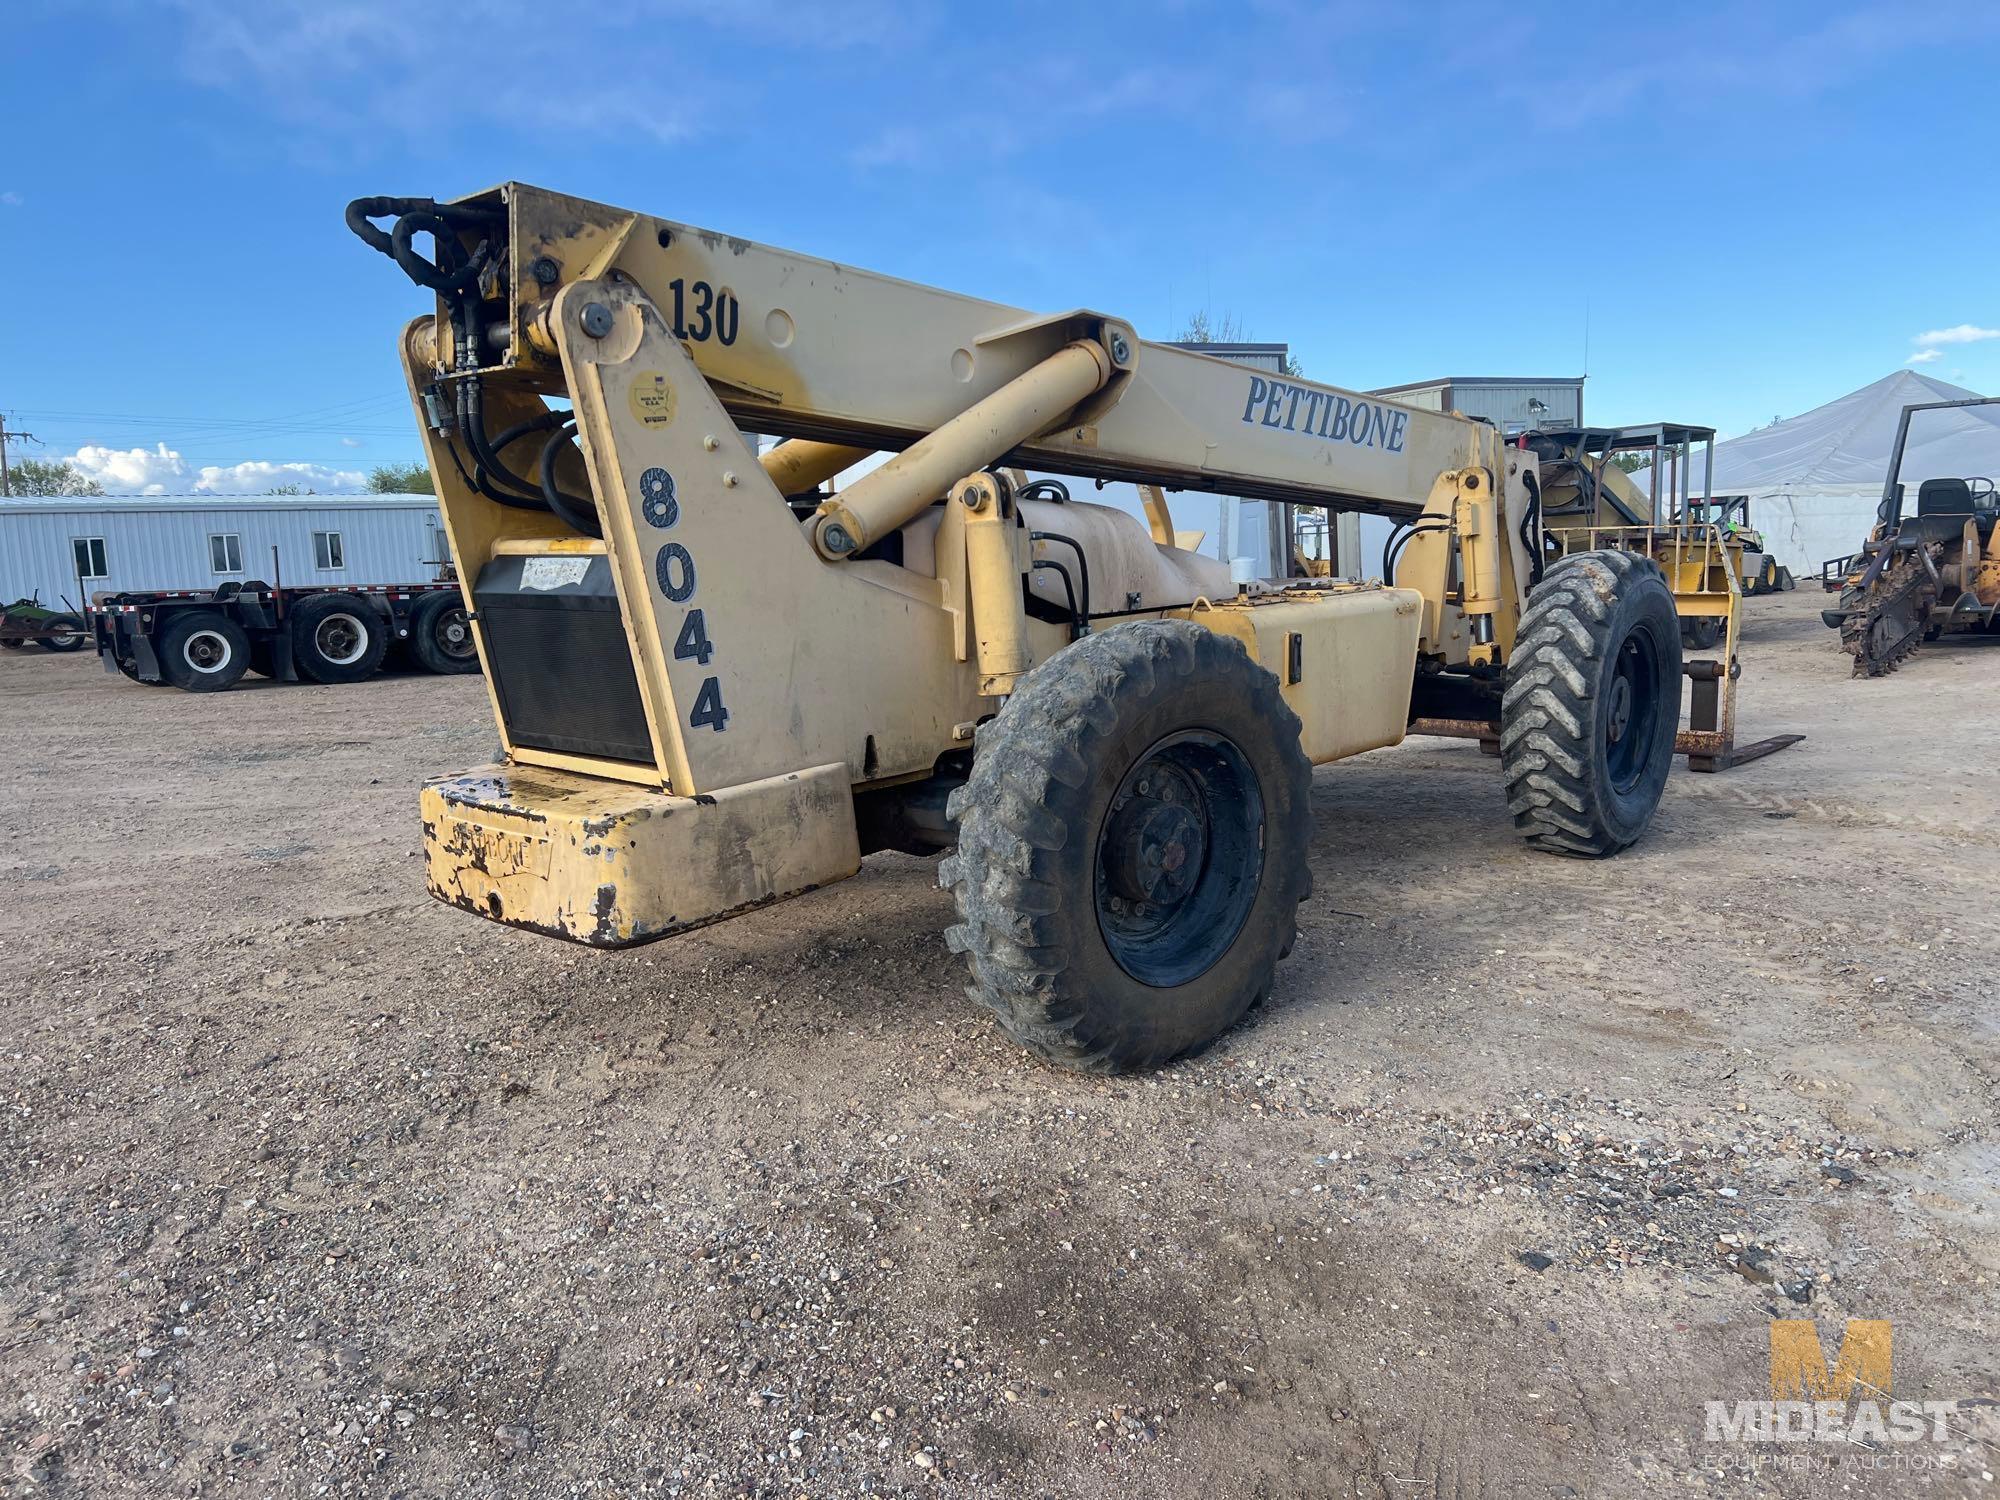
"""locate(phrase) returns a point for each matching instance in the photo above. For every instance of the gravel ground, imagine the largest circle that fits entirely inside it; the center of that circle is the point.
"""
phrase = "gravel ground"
(311, 1186)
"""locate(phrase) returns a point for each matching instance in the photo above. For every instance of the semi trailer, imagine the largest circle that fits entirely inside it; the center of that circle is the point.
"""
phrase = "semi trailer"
(203, 641)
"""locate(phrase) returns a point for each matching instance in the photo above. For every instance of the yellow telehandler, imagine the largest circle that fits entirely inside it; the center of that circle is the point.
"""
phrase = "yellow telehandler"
(720, 681)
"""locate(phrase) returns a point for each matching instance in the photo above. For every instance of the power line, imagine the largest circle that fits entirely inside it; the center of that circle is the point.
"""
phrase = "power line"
(6, 478)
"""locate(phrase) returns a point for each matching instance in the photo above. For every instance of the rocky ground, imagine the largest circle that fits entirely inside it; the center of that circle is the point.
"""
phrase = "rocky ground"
(309, 1186)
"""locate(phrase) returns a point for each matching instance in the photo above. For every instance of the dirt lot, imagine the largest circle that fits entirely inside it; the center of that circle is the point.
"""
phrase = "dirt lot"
(311, 1186)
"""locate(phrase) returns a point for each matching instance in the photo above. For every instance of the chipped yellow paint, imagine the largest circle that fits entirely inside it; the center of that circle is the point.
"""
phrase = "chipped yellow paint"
(609, 865)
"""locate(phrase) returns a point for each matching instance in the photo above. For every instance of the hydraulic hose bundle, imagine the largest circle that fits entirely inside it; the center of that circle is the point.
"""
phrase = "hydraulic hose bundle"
(455, 276)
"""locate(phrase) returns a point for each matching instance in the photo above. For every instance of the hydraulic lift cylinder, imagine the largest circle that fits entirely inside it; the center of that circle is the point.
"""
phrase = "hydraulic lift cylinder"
(1027, 406)
(800, 465)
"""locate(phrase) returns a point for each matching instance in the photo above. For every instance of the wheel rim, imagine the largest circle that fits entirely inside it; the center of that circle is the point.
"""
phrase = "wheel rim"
(341, 639)
(207, 652)
(453, 634)
(1179, 858)
(1632, 711)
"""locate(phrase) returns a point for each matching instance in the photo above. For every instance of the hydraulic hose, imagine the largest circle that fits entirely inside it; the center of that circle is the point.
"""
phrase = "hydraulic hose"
(570, 511)
(1082, 567)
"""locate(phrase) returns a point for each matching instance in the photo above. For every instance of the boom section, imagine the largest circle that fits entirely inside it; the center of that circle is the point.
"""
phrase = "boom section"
(796, 346)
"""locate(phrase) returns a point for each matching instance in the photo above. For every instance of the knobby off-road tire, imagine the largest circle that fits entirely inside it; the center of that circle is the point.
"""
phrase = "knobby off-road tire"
(1701, 633)
(1131, 847)
(1592, 702)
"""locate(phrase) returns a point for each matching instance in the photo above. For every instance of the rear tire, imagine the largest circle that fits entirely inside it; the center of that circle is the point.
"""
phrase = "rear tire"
(338, 638)
(1592, 704)
(1131, 847)
(203, 651)
(73, 637)
(441, 635)
(1701, 633)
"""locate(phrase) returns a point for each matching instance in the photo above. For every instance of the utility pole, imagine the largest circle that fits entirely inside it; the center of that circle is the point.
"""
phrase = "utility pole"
(6, 480)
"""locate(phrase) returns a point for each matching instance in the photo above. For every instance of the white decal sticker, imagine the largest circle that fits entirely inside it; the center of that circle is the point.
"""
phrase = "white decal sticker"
(545, 573)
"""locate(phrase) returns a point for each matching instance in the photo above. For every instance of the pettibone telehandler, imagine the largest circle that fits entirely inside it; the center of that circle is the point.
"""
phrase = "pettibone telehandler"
(1920, 576)
(719, 683)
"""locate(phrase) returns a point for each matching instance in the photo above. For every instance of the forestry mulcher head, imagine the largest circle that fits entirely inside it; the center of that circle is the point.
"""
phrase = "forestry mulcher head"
(720, 680)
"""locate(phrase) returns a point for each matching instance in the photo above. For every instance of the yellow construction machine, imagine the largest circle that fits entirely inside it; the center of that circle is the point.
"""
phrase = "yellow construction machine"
(720, 680)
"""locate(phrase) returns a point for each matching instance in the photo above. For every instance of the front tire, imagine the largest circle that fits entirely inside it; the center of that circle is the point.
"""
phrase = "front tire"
(1592, 703)
(1131, 847)
(203, 651)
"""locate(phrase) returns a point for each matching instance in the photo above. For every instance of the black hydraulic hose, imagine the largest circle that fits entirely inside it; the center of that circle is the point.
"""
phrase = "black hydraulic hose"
(1392, 550)
(570, 511)
(1053, 490)
(1082, 563)
(1078, 626)
(416, 216)
(488, 468)
(1530, 524)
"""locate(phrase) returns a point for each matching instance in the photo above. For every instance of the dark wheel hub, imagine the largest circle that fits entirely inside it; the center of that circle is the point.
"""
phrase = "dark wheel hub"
(454, 635)
(1179, 858)
(1620, 709)
(1632, 710)
(1153, 851)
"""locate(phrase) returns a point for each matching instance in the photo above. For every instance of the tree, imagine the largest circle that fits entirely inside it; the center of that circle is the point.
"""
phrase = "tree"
(42, 476)
(290, 489)
(401, 479)
(1633, 460)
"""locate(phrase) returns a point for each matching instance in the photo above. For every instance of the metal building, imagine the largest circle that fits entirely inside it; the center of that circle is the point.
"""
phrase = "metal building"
(1513, 403)
(60, 548)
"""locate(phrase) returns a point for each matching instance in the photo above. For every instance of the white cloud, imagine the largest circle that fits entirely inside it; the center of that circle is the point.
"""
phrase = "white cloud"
(133, 471)
(256, 477)
(1963, 333)
(12, 200)
(1926, 356)
(350, 442)
(160, 470)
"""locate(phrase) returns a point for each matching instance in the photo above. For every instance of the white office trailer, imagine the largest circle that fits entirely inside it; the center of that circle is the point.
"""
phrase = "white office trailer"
(60, 548)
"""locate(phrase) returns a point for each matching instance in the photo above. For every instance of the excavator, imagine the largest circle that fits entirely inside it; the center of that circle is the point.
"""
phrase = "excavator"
(722, 676)
(1919, 576)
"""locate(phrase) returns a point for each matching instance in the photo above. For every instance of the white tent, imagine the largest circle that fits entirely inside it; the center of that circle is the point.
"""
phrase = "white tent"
(1815, 480)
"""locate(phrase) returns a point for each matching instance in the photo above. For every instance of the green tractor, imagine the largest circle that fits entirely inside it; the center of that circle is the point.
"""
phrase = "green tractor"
(28, 621)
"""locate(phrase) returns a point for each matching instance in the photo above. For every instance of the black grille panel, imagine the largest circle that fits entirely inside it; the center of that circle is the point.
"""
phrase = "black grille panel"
(561, 666)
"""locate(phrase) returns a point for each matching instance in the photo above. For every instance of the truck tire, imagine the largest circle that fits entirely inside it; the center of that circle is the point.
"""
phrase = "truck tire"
(72, 634)
(1131, 847)
(441, 636)
(1592, 702)
(203, 651)
(338, 638)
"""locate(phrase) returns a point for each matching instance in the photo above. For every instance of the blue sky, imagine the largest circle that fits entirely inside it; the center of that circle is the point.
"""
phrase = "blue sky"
(1755, 207)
